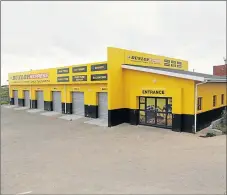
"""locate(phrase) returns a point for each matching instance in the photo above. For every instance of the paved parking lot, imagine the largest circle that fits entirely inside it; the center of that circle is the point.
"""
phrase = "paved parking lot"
(47, 155)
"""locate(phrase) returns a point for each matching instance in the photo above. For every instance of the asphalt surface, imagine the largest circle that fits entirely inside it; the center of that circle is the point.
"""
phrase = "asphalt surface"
(47, 155)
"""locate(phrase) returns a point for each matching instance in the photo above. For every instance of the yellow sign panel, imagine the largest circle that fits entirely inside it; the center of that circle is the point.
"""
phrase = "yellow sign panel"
(65, 75)
(33, 77)
(138, 58)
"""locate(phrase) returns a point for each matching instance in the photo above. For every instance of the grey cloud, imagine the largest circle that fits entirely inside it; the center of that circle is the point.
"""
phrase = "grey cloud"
(52, 33)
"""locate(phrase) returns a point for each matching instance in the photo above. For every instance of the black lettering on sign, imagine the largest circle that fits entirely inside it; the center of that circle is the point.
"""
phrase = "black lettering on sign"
(80, 69)
(98, 77)
(103, 88)
(161, 92)
(98, 67)
(63, 79)
(173, 63)
(80, 78)
(179, 64)
(63, 71)
(166, 62)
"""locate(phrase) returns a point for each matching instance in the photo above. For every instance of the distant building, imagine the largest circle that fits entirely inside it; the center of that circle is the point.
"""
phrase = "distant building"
(5, 86)
(220, 70)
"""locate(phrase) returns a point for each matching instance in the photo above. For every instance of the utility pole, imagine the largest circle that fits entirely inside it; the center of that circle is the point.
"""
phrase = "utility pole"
(225, 60)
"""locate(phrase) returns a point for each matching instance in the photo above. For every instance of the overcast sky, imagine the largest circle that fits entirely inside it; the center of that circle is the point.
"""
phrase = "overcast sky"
(39, 35)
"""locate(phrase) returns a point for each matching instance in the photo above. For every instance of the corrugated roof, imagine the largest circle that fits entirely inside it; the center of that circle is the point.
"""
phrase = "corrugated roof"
(207, 76)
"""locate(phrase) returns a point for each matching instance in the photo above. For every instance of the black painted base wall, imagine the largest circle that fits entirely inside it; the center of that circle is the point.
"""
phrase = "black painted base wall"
(11, 101)
(33, 104)
(187, 123)
(91, 111)
(68, 107)
(204, 119)
(21, 102)
(177, 122)
(181, 122)
(118, 116)
(48, 105)
(133, 118)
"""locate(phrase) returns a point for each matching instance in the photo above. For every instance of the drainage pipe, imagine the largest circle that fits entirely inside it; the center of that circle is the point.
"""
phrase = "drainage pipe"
(31, 96)
(65, 100)
(196, 104)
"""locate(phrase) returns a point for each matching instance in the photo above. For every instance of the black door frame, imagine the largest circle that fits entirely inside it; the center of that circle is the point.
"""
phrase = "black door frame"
(144, 110)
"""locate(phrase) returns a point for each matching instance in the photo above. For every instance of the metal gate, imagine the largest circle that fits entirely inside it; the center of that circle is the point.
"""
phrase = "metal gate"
(103, 105)
(78, 103)
(40, 100)
(15, 96)
(26, 98)
(57, 101)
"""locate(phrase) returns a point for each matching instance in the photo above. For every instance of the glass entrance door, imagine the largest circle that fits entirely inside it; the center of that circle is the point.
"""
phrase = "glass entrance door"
(155, 111)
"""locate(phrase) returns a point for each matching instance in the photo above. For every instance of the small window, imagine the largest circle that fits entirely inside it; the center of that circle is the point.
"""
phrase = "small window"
(222, 98)
(199, 103)
(214, 100)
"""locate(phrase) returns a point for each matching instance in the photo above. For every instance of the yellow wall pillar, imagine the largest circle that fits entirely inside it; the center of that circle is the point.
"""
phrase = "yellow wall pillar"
(48, 104)
(90, 98)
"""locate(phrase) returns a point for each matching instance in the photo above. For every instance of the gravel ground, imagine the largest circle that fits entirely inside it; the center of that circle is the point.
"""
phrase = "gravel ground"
(47, 155)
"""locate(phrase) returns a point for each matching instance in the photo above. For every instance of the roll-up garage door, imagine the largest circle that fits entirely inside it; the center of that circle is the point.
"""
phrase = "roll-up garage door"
(103, 105)
(40, 100)
(57, 101)
(78, 103)
(26, 98)
(15, 96)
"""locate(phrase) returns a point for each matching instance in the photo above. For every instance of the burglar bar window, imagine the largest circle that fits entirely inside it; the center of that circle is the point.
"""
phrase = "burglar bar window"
(199, 103)
(214, 100)
(222, 98)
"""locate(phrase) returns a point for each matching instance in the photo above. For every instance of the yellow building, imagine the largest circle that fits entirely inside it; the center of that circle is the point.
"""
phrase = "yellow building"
(131, 87)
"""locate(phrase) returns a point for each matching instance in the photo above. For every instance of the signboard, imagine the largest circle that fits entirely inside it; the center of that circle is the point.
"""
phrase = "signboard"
(104, 88)
(144, 59)
(98, 67)
(30, 76)
(79, 69)
(80, 78)
(63, 71)
(153, 92)
(138, 58)
(98, 77)
(63, 79)
(76, 88)
(54, 76)
(39, 77)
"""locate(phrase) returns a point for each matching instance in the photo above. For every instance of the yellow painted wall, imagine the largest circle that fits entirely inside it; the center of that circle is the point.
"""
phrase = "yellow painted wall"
(90, 91)
(117, 79)
(207, 91)
(181, 90)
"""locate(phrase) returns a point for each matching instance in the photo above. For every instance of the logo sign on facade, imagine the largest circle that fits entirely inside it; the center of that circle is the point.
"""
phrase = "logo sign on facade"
(63, 79)
(98, 77)
(80, 78)
(63, 71)
(79, 69)
(153, 92)
(144, 60)
(98, 67)
(30, 76)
